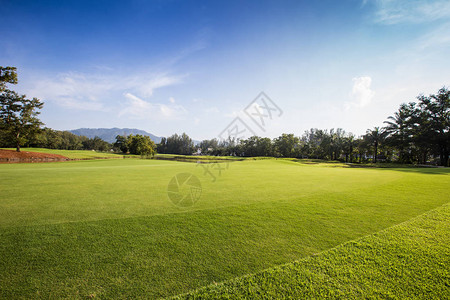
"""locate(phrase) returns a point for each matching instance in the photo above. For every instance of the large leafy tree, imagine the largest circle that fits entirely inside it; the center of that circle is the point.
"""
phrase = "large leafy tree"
(177, 144)
(286, 144)
(18, 115)
(420, 130)
(122, 144)
(141, 145)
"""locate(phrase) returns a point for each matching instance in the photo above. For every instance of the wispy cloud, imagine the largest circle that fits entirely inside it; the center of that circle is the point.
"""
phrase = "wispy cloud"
(361, 93)
(410, 11)
(210, 110)
(138, 108)
(147, 86)
(437, 37)
(72, 90)
(82, 91)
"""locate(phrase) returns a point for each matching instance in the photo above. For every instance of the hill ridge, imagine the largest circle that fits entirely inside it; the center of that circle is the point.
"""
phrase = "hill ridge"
(109, 134)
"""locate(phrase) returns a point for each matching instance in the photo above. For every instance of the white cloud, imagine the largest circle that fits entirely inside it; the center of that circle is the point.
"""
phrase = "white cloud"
(71, 90)
(211, 110)
(147, 87)
(172, 100)
(138, 108)
(82, 91)
(410, 11)
(361, 94)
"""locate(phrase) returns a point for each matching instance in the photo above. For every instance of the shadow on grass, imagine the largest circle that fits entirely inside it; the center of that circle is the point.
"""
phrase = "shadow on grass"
(433, 170)
(421, 170)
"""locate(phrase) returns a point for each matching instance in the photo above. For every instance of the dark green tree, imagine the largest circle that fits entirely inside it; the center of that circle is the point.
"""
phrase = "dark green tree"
(122, 144)
(285, 145)
(435, 117)
(399, 130)
(177, 144)
(141, 145)
(348, 145)
(7, 75)
(18, 115)
(375, 137)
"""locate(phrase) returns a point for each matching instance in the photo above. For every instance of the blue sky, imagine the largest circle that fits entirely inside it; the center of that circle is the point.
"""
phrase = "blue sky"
(193, 66)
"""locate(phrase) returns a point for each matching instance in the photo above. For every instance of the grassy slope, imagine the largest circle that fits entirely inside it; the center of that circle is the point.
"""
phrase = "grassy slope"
(107, 227)
(407, 261)
(89, 154)
(73, 154)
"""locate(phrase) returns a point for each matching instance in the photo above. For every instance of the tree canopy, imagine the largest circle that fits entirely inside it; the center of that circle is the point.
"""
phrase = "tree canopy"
(18, 115)
(419, 132)
(135, 144)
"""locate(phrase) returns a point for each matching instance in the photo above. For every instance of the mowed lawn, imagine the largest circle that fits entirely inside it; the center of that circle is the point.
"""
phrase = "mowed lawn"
(106, 228)
(407, 261)
(73, 154)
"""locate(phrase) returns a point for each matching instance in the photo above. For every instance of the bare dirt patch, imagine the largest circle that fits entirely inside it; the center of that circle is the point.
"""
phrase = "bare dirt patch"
(11, 156)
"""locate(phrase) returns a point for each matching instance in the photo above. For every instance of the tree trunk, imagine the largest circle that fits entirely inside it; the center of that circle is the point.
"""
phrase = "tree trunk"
(18, 142)
(351, 154)
(446, 157)
(442, 157)
(375, 154)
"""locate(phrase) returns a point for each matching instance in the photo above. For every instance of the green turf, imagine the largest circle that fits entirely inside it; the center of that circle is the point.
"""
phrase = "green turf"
(407, 261)
(73, 154)
(90, 154)
(107, 228)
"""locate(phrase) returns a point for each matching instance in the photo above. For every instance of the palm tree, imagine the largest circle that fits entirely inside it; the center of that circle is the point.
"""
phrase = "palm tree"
(375, 136)
(349, 144)
(398, 128)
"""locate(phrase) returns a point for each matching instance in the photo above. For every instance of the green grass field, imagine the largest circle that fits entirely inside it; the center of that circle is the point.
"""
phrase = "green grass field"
(73, 154)
(90, 154)
(407, 261)
(106, 228)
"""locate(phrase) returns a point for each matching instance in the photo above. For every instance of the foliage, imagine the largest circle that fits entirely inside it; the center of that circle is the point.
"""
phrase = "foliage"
(7, 75)
(109, 134)
(176, 144)
(65, 140)
(135, 144)
(421, 130)
(96, 144)
(375, 137)
(141, 145)
(121, 144)
(416, 133)
(18, 115)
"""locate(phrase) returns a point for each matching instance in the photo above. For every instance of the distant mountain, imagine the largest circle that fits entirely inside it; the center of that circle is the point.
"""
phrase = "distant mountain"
(109, 134)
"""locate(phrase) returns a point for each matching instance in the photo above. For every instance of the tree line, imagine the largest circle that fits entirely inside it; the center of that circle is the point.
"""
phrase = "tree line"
(418, 132)
(65, 140)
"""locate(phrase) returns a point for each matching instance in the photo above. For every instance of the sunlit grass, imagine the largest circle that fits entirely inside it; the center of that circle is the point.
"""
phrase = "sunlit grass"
(73, 154)
(107, 227)
(408, 261)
